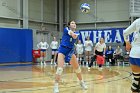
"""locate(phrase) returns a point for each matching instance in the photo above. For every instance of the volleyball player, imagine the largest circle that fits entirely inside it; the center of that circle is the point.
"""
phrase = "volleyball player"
(54, 47)
(134, 56)
(67, 48)
(43, 46)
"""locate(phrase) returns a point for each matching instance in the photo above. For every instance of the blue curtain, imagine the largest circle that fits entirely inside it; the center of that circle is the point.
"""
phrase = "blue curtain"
(15, 45)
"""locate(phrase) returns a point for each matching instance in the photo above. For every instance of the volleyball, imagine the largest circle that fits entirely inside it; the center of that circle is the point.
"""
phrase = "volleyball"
(85, 8)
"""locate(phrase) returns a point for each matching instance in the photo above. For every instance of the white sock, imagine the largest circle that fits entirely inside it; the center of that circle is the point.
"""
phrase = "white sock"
(56, 84)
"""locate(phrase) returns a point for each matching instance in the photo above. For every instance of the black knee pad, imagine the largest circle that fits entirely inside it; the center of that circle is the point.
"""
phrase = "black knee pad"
(136, 83)
(52, 56)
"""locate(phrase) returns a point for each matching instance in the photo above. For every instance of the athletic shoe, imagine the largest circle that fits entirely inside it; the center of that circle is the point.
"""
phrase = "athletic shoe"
(83, 85)
(41, 63)
(44, 63)
(100, 68)
(56, 89)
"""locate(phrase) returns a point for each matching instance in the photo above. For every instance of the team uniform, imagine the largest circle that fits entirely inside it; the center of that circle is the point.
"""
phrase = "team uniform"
(67, 44)
(43, 46)
(88, 45)
(67, 48)
(134, 56)
(54, 46)
(79, 48)
(99, 51)
(100, 48)
(88, 48)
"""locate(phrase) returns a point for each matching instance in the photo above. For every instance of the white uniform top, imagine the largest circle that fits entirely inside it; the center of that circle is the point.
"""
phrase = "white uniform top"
(88, 45)
(118, 51)
(43, 45)
(54, 45)
(100, 47)
(79, 48)
(134, 27)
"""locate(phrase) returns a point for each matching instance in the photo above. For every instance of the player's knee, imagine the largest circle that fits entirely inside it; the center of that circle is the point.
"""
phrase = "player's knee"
(78, 70)
(59, 71)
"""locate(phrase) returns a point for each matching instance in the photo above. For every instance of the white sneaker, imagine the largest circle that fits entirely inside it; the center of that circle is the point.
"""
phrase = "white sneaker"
(44, 63)
(55, 63)
(88, 68)
(41, 63)
(56, 89)
(83, 85)
(100, 68)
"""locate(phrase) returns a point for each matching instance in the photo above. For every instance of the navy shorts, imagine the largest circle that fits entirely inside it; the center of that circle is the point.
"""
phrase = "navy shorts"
(55, 50)
(43, 50)
(134, 61)
(68, 52)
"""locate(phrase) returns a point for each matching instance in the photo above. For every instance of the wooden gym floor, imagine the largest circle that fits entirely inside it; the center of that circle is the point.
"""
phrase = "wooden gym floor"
(40, 79)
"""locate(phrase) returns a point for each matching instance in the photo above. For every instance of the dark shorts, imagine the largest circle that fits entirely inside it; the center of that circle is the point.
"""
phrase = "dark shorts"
(68, 52)
(55, 50)
(43, 50)
(134, 61)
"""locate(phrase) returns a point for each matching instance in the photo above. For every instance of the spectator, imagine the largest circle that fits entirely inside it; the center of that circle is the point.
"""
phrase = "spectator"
(118, 53)
(88, 48)
(99, 49)
(109, 55)
(43, 46)
(54, 47)
(79, 50)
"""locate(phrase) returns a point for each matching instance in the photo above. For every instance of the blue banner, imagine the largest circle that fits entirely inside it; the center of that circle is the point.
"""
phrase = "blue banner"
(111, 35)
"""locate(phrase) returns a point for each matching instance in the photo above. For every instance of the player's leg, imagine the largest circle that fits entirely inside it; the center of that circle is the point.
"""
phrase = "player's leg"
(135, 66)
(86, 53)
(80, 58)
(77, 69)
(41, 57)
(55, 54)
(44, 55)
(59, 71)
(52, 58)
(91, 62)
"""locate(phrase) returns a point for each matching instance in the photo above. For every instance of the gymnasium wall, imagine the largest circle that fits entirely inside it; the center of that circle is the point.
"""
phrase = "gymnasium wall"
(110, 14)
(15, 45)
(107, 14)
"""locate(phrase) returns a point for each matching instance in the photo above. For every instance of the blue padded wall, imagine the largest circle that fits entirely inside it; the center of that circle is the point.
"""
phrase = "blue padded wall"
(15, 45)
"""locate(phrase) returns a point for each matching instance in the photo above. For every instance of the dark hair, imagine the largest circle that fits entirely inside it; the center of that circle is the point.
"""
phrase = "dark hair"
(69, 23)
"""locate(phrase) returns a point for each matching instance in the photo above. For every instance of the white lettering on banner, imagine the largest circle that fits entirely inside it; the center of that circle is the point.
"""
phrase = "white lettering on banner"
(110, 35)
(107, 36)
(118, 36)
(96, 36)
(85, 34)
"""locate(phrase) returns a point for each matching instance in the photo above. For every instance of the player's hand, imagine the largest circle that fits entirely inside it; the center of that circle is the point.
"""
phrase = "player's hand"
(74, 35)
(128, 46)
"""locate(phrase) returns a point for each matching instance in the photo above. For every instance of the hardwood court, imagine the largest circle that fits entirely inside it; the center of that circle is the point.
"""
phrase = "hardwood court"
(39, 79)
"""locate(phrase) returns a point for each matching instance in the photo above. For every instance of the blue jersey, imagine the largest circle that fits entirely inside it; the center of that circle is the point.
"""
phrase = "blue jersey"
(67, 40)
(109, 52)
